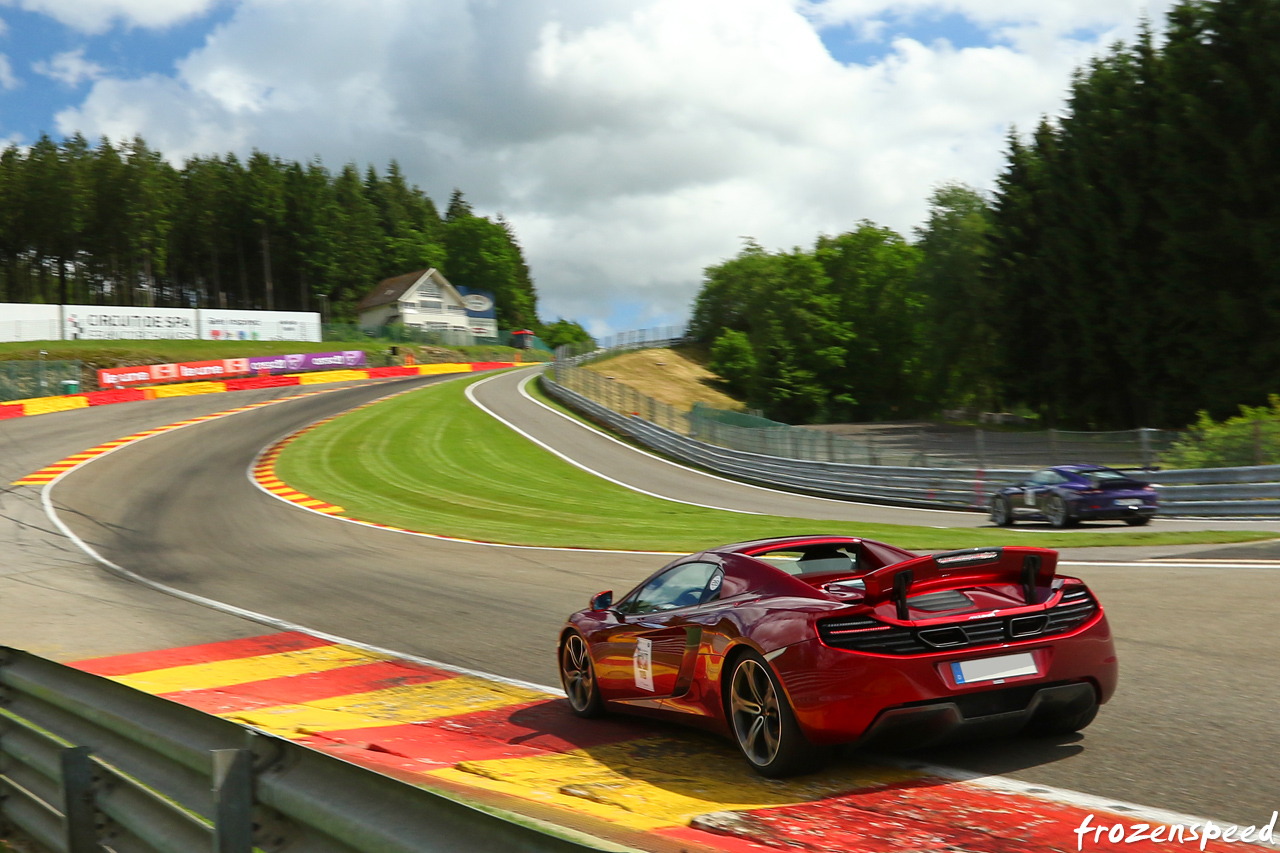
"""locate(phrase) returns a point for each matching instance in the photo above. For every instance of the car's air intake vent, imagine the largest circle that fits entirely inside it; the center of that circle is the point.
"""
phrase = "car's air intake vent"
(865, 634)
(934, 602)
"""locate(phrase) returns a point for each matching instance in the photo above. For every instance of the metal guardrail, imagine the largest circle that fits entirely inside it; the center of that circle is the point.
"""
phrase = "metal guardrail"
(1220, 492)
(90, 765)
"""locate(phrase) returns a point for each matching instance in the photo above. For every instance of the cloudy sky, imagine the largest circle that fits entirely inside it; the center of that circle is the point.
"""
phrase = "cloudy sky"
(630, 142)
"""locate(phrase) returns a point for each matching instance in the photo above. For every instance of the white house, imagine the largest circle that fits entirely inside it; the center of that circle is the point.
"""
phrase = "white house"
(426, 300)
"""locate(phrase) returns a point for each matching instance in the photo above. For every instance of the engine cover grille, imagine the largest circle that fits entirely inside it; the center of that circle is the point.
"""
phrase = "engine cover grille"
(865, 634)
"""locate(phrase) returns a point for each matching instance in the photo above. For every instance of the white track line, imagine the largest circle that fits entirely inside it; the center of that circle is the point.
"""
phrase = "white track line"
(997, 783)
(1120, 808)
(232, 610)
(253, 463)
(575, 463)
(708, 475)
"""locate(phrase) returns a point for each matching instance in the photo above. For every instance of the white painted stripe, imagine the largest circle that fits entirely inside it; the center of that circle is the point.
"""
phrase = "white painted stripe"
(575, 463)
(710, 476)
(1130, 811)
(253, 464)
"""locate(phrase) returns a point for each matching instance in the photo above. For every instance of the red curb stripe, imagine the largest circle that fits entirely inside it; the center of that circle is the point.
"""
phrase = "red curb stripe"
(308, 687)
(936, 814)
(290, 641)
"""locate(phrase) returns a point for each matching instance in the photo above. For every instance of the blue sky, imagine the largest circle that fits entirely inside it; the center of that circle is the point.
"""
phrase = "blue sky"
(32, 38)
(851, 44)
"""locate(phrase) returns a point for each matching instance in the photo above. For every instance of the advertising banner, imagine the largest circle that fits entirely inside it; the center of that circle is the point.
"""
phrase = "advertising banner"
(22, 322)
(481, 312)
(223, 325)
(105, 322)
(190, 371)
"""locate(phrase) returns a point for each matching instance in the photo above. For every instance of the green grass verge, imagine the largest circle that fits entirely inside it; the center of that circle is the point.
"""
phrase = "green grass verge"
(431, 461)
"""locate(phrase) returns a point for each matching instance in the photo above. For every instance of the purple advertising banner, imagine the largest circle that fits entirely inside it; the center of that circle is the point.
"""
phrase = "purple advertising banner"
(348, 359)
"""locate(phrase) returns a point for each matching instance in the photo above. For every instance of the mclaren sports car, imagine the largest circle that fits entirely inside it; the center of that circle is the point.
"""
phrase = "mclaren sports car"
(790, 645)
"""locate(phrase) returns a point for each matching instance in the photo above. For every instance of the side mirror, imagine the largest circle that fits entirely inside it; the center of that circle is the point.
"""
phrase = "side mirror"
(602, 600)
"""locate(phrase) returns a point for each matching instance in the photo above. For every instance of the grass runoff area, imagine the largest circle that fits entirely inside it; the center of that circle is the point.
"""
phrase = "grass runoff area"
(431, 461)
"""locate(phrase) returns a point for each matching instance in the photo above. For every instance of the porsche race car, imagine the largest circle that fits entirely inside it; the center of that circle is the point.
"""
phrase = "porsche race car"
(1065, 495)
(787, 645)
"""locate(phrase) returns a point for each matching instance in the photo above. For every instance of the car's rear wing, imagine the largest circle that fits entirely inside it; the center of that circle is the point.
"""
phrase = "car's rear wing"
(1032, 569)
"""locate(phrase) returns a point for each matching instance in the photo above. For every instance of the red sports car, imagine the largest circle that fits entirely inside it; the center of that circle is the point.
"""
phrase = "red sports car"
(789, 644)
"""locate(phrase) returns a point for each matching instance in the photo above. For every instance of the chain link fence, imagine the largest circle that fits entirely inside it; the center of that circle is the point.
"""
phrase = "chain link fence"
(21, 380)
(898, 445)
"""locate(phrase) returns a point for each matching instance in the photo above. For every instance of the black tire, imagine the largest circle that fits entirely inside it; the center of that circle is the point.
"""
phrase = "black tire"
(762, 722)
(1062, 724)
(578, 675)
(1002, 512)
(1059, 515)
(1138, 522)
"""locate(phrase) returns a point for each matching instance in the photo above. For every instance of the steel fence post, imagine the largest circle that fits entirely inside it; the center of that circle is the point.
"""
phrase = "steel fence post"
(1144, 437)
(77, 796)
(233, 801)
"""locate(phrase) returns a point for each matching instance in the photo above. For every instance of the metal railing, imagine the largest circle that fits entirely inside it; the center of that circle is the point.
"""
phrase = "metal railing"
(89, 765)
(21, 380)
(817, 468)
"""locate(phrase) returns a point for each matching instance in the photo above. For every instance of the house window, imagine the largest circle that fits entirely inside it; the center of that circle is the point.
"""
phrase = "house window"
(429, 290)
(430, 304)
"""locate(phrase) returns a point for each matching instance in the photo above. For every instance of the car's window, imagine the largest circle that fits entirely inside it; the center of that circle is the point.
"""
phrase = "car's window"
(682, 586)
(1048, 477)
(1102, 475)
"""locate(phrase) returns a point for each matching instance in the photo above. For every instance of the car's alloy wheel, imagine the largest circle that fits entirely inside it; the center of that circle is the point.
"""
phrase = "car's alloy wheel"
(763, 723)
(1056, 509)
(1001, 512)
(578, 677)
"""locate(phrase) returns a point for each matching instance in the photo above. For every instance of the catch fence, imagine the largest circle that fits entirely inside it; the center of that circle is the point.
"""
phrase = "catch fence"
(1223, 471)
(20, 380)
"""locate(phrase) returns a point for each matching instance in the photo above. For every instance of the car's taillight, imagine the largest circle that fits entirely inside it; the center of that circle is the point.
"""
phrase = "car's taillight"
(1091, 491)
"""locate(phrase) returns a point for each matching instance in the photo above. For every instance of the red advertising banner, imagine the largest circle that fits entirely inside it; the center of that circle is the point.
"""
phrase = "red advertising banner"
(185, 372)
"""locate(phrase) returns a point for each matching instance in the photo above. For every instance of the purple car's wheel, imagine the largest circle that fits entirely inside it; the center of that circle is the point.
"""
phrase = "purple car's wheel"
(578, 677)
(1056, 511)
(763, 723)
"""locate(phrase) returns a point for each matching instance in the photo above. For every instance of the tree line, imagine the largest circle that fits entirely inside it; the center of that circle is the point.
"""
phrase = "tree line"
(117, 224)
(1125, 272)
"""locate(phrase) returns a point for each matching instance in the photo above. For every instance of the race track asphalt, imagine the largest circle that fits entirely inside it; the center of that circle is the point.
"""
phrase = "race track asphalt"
(1192, 728)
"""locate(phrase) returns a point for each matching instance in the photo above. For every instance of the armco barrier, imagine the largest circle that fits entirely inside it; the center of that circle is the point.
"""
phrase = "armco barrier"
(87, 764)
(1214, 492)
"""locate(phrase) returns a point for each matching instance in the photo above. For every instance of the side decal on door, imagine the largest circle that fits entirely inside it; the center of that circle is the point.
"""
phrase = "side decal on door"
(644, 664)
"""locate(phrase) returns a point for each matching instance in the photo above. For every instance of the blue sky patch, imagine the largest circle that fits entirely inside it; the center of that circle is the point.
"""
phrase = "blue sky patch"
(850, 44)
(126, 52)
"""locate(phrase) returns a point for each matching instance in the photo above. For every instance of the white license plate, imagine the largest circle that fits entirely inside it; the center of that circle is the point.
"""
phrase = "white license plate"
(993, 669)
(1128, 501)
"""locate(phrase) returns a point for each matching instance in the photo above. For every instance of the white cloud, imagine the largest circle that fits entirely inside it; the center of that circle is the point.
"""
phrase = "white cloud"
(8, 80)
(630, 142)
(70, 68)
(95, 16)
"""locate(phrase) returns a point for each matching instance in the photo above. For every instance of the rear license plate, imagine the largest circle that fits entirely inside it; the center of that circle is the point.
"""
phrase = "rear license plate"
(1128, 501)
(993, 669)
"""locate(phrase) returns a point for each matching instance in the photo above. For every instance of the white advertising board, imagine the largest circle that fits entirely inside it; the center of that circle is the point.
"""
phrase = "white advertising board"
(106, 322)
(219, 325)
(22, 322)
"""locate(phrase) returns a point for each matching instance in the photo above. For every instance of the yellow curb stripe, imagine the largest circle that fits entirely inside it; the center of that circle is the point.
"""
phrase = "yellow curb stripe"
(202, 676)
(658, 781)
(412, 703)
